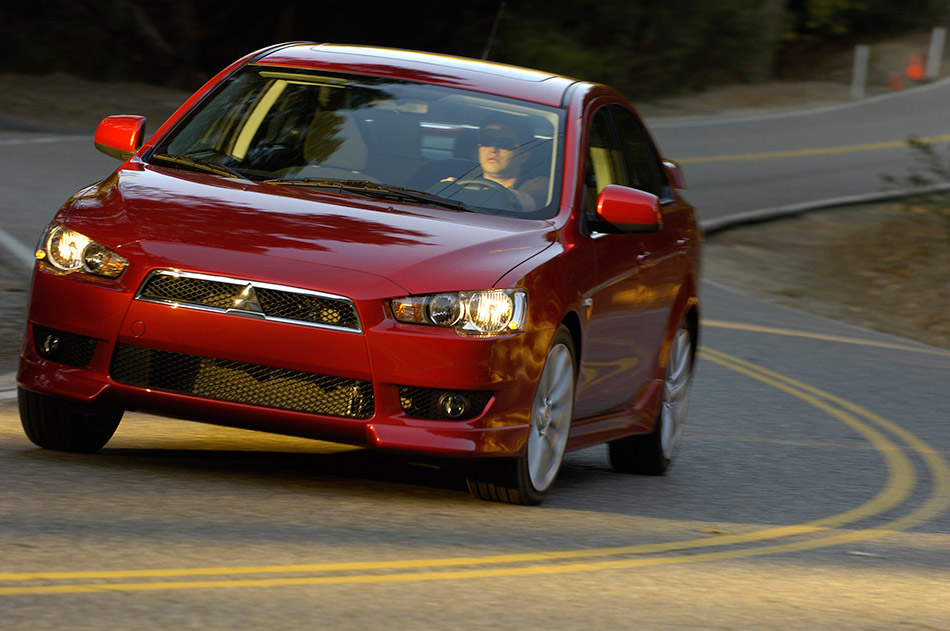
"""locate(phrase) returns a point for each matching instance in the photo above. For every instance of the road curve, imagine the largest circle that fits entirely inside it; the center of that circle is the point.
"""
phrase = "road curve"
(737, 165)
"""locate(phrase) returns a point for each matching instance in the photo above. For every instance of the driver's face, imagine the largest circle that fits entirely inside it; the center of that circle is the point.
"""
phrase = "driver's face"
(497, 152)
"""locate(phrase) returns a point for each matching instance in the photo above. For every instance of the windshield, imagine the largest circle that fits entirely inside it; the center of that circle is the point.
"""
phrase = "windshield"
(360, 135)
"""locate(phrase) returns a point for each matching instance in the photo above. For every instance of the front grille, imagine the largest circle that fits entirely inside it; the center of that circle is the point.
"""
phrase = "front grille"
(425, 403)
(250, 298)
(238, 382)
(66, 348)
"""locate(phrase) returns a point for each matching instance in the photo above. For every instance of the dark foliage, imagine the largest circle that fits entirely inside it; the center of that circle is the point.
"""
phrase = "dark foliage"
(644, 47)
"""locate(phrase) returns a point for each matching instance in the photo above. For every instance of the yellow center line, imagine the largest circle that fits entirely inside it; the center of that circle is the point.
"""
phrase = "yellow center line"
(825, 151)
(901, 480)
(720, 324)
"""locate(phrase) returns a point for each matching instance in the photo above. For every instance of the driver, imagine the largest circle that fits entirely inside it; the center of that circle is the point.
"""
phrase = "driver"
(503, 148)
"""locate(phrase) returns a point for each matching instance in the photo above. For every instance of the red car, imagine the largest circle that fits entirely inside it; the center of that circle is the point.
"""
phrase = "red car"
(405, 251)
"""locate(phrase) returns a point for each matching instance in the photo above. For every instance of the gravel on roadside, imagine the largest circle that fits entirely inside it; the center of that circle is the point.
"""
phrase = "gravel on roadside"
(883, 267)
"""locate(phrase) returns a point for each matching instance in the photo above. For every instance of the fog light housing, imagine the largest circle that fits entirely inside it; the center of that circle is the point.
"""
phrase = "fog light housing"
(442, 405)
(454, 405)
(63, 347)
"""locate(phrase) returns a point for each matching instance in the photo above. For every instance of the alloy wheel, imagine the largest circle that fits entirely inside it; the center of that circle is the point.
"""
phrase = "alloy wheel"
(676, 393)
(551, 418)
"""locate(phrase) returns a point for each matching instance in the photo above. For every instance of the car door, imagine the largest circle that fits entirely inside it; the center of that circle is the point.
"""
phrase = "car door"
(629, 305)
(663, 261)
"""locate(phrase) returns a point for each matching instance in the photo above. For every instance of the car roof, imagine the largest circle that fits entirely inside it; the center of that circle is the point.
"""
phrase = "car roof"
(473, 74)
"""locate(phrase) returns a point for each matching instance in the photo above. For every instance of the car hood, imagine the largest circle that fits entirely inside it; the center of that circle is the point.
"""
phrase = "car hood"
(237, 227)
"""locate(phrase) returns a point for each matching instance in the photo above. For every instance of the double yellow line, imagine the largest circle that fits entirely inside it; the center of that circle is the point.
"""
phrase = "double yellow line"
(880, 433)
(901, 476)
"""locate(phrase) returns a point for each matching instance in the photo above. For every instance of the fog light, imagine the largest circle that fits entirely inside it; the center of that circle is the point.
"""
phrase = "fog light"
(454, 405)
(50, 346)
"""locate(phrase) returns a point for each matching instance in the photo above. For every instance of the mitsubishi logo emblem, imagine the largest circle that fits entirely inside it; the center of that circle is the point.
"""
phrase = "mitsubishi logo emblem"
(246, 302)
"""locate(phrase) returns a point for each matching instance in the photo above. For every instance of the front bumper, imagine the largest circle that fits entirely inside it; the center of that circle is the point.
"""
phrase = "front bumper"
(340, 386)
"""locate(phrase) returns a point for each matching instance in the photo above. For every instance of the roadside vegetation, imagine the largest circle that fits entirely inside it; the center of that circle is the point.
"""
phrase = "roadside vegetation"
(930, 175)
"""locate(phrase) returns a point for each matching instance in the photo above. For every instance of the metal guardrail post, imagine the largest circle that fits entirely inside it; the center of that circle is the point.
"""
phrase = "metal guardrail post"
(859, 74)
(937, 38)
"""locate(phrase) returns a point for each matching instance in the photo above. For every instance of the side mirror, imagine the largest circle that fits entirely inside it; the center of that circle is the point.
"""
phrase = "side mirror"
(674, 175)
(120, 136)
(628, 210)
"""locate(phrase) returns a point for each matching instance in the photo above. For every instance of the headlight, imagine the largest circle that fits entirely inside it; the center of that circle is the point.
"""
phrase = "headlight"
(492, 312)
(70, 251)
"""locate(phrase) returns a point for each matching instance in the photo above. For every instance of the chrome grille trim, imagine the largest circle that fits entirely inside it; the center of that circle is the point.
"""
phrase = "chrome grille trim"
(255, 299)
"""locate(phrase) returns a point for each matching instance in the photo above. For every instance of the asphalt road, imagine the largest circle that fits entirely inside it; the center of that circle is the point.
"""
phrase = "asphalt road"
(770, 161)
(812, 490)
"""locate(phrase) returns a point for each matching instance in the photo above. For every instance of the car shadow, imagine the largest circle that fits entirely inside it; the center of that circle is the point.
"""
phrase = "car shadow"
(586, 481)
(359, 468)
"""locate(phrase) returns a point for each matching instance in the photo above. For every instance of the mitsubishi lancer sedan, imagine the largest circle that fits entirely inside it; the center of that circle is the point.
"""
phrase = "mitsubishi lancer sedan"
(409, 252)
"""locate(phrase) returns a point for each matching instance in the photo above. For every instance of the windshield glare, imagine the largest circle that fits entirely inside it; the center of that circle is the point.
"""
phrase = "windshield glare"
(495, 155)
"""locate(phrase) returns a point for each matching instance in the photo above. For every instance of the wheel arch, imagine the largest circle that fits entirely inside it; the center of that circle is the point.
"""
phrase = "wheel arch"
(572, 322)
(692, 320)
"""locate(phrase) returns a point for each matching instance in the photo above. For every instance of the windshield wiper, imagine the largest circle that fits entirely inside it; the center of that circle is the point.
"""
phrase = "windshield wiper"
(199, 164)
(373, 189)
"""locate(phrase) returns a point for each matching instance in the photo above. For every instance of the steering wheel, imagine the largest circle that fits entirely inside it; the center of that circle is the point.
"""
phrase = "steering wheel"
(511, 201)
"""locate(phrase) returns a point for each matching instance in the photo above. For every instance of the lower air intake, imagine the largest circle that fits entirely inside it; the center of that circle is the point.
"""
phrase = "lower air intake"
(238, 382)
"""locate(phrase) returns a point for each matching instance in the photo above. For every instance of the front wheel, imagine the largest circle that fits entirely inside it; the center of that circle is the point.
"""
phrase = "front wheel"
(528, 478)
(653, 453)
(64, 425)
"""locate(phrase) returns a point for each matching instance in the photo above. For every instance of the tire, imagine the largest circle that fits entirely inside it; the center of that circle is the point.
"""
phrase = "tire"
(653, 453)
(528, 478)
(64, 425)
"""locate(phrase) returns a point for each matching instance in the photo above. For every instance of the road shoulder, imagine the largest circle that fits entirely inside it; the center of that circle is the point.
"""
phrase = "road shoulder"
(882, 267)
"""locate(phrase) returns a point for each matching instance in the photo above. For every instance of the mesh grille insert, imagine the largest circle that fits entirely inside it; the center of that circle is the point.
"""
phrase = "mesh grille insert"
(229, 295)
(238, 382)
